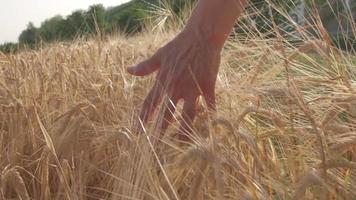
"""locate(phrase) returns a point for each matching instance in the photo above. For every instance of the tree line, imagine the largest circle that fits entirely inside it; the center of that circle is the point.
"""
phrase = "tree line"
(127, 18)
(81, 23)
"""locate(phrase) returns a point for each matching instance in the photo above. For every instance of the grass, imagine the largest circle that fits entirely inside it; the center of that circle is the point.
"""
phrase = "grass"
(284, 129)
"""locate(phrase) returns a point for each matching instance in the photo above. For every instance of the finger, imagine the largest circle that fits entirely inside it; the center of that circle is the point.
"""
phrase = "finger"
(170, 108)
(150, 103)
(209, 97)
(188, 115)
(146, 67)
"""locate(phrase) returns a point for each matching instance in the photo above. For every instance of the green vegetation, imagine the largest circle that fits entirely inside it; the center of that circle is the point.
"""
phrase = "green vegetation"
(82, 23)
(128, 18)
(9, 47)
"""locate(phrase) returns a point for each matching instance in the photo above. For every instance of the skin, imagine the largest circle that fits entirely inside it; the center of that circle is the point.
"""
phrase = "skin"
(188, 65)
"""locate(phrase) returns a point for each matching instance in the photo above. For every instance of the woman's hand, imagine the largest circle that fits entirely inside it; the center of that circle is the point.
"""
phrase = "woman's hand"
(188, 65)
(187, 68)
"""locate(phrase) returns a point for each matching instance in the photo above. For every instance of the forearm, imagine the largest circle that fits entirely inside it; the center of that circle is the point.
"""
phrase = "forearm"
(213, 20)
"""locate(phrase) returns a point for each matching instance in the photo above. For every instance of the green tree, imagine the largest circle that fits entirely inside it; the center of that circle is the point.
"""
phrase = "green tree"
(127, 17)
(52, 29)
(9, 47)
(76, 25)
(95, 18)
(29, 36)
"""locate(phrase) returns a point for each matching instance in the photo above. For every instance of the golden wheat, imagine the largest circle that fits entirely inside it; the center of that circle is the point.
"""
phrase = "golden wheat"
(284, 129)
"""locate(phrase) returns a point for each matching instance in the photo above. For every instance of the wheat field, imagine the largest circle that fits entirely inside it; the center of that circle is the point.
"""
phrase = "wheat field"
(284, 128)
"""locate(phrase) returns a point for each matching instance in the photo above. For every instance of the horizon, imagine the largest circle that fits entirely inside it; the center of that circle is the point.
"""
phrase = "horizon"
(15, 15)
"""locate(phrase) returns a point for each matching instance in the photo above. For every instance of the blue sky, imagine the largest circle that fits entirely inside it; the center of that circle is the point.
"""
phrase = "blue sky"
(15, 14)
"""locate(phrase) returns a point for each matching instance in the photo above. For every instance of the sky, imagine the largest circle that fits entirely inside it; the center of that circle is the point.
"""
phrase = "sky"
(16, 14)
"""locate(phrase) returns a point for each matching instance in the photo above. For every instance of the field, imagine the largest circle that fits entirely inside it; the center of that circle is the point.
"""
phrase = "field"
(284, 128)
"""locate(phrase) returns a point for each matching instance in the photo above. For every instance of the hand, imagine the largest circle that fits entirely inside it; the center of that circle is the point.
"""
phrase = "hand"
(187, 68)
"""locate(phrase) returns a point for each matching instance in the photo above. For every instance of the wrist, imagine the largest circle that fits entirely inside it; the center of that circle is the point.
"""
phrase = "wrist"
(212, 20)
(207, 35)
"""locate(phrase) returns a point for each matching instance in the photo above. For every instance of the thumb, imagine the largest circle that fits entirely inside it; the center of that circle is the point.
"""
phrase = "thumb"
(146, 67)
